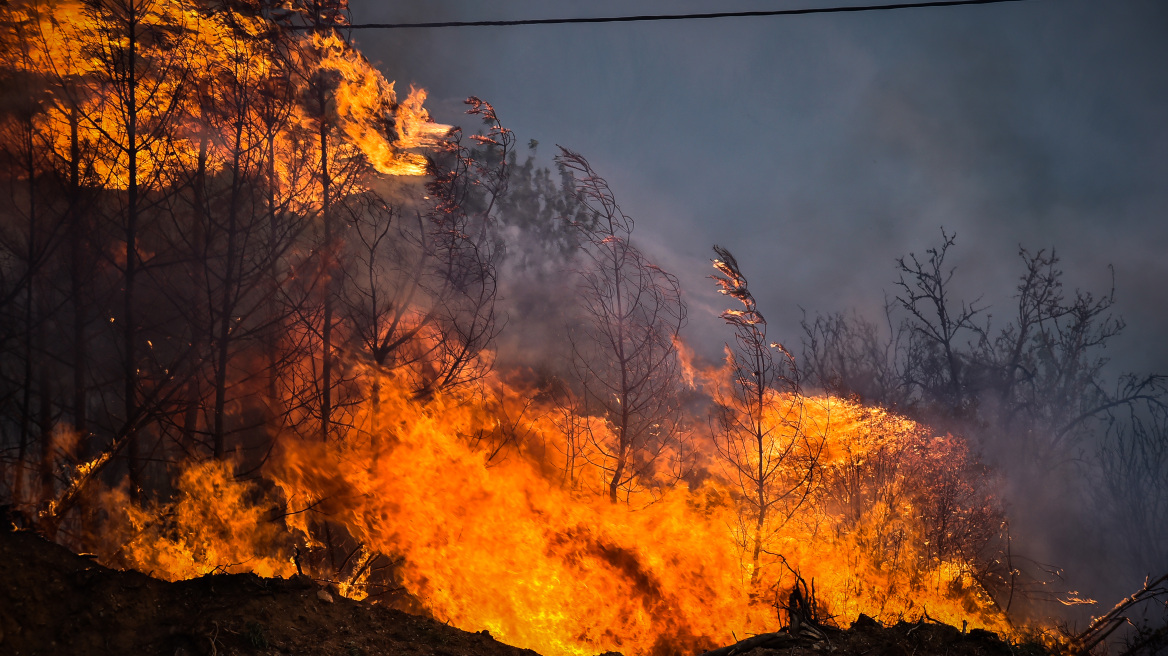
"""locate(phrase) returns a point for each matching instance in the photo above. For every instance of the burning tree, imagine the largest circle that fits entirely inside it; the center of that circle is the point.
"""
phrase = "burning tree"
(172, 160)
(232, 239)
(141, 57)
(626, 356)
(466, 187)
(420, 300)
(766, 442)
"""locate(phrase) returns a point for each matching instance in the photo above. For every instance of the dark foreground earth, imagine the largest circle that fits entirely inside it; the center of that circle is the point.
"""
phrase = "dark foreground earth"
(53, 601)
(868, 638)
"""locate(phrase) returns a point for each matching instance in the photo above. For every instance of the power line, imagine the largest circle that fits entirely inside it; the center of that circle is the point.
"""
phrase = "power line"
(660, 17)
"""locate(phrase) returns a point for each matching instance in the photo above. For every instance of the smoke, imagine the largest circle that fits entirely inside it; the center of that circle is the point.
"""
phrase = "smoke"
(819, 149)
(822, 148)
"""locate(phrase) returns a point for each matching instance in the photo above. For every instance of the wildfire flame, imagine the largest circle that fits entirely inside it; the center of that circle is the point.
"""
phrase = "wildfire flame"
(67, 42)
(486, 538)
(499, 545)
(365, 99)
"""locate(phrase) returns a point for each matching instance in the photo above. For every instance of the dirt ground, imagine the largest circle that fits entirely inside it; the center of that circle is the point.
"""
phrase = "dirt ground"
(866, 637)
(55, 602)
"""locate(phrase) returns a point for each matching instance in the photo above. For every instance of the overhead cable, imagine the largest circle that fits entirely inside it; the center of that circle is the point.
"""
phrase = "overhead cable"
(658, 17)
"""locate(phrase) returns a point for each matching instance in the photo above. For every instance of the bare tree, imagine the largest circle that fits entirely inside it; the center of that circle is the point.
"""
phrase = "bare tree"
(924, 294)
(767, 445)
(846, 353)
(75, 153)
(625, 357)
(419, 297)
(228, 237)
(1040, 375)
(1133, 486)
(465, 190)
(142, 57)
(384, 296)
(1034, 393)
(28, 235)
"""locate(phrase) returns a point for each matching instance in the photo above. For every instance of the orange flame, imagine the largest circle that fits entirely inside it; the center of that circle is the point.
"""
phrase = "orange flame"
(366, 100)
(512, 540)
(497, 544)
(213, 524)
(72, 46)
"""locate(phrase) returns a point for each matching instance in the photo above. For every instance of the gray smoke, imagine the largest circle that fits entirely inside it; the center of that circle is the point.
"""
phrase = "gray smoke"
(820, 148)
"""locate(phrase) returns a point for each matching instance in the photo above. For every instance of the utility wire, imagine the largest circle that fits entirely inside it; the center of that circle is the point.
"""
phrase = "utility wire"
(659, 17)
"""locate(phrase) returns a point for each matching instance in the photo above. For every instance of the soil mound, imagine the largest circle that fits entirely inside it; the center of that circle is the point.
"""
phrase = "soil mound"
(53, 601)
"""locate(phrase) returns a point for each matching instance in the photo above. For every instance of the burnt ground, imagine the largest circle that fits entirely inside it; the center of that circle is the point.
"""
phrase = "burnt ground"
(53, 601)
(867, 637)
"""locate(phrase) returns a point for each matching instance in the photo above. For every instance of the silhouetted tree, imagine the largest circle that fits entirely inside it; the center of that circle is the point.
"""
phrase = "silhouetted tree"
(767, 445)
(1034, 393)
(625, 356)
(142, 54)
(465, 190)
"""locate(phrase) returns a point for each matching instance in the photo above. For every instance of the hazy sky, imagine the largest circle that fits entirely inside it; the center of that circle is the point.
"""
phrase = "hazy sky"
(819, 148)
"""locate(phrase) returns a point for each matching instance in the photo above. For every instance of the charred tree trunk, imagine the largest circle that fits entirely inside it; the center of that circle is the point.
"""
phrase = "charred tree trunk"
(229, 297)
(190, 425)
(274, 317)
(326, 333)
(45, 425)
(78, 231)
(31, 256)
(129, 300)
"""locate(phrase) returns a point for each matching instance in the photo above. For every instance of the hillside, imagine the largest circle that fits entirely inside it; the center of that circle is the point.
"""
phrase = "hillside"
(55, 602)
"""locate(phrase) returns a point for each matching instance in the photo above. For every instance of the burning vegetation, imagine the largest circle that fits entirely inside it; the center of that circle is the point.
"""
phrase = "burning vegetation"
(254, 322)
